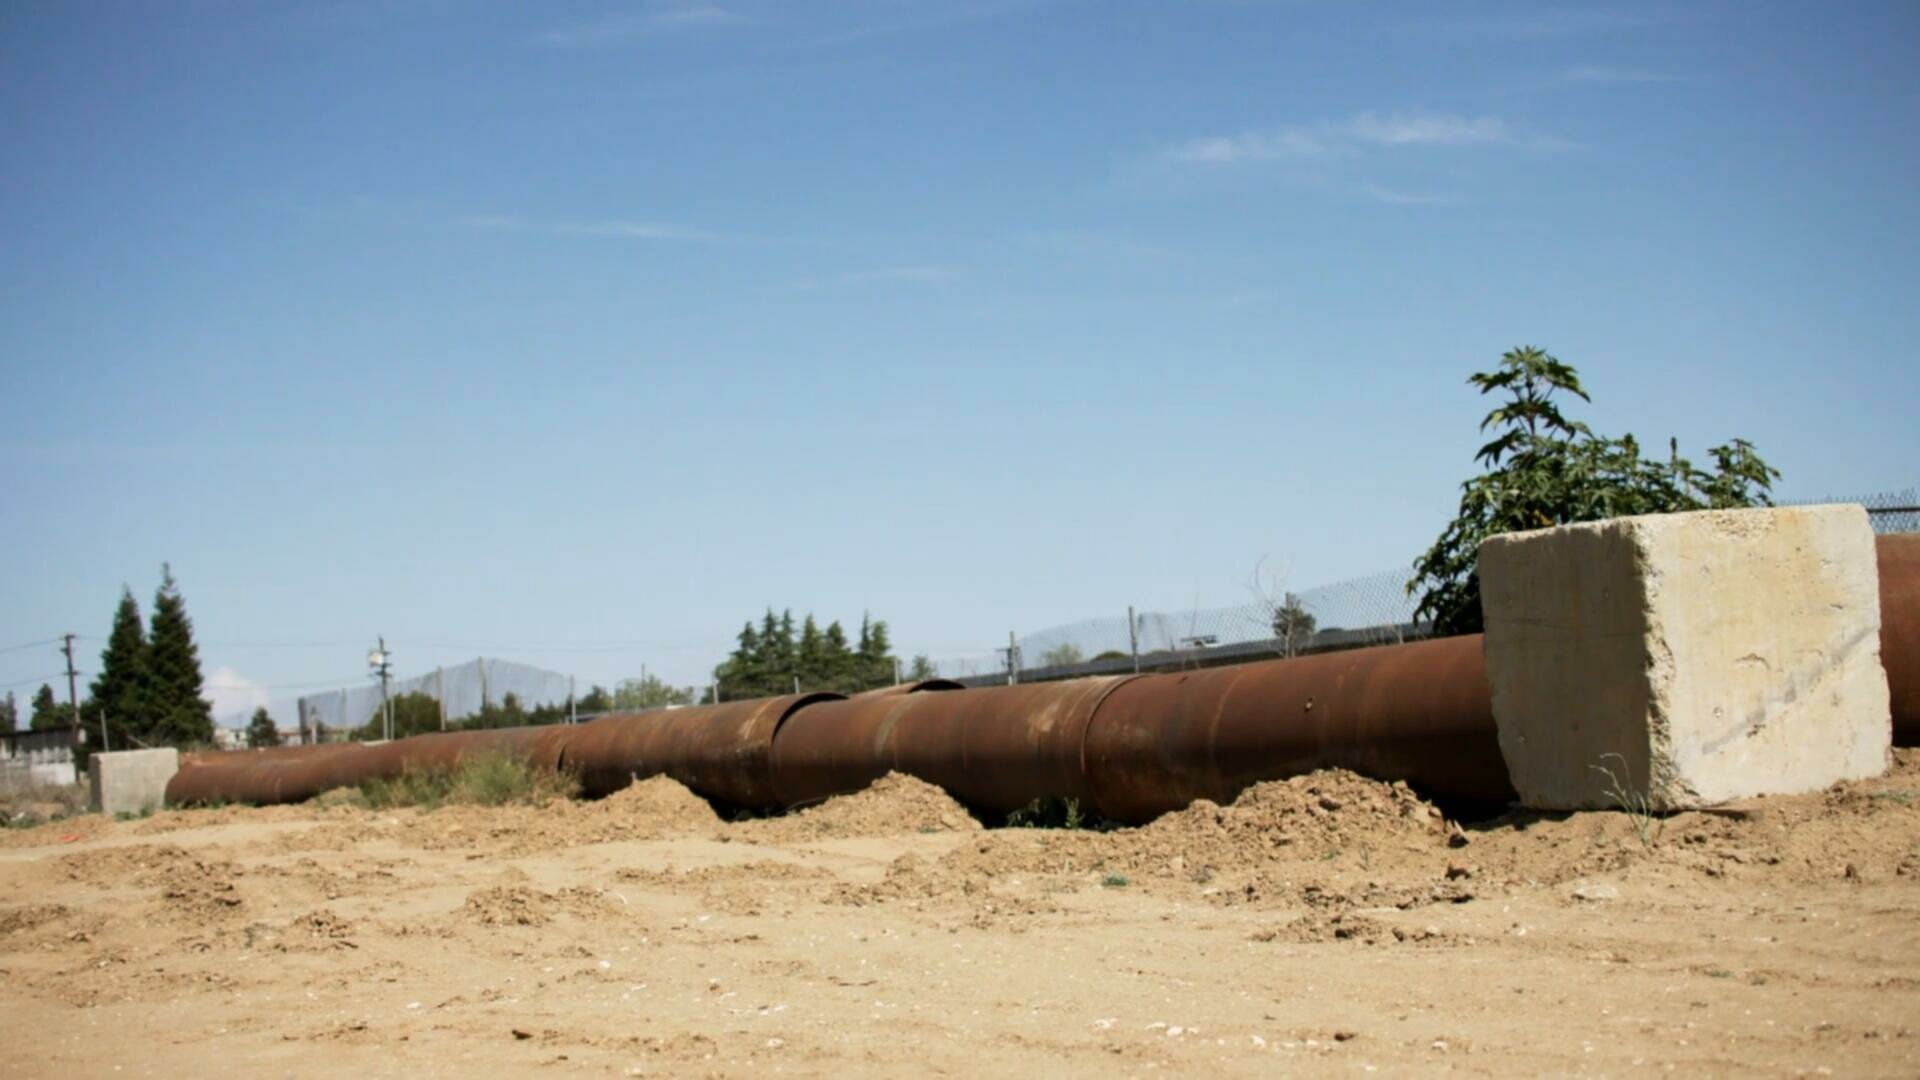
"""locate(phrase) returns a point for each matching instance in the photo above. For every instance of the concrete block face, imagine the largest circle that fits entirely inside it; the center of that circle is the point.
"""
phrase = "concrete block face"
(1700, 657)
(132, 781)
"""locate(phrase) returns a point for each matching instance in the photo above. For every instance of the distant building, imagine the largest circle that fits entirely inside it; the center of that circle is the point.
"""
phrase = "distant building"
(41, 757)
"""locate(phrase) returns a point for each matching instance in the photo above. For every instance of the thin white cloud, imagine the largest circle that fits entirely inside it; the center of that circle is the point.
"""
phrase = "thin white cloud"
(627, 26)
(233, 695)
(1428, 129)
(1356, 134)
(616, 230)
(884, 275)
(1599, 73)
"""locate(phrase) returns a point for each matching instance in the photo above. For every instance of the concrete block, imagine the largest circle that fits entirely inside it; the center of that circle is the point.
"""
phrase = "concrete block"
(132, 781)
(1700, 657)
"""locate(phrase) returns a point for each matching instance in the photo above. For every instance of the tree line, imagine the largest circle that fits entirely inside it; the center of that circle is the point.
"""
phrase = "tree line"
(149, 689)
(776, 658)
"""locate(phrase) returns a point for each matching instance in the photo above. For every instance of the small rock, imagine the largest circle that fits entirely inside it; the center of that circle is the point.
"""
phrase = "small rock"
(1598, 891)
(1456, 836)
(1328, 802)
(1457, 870)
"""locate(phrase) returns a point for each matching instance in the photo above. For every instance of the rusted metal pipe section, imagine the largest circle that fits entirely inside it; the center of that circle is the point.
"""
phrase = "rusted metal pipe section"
(836, 747)
(1900, 631)
(1001, 747)
(1419, 712)
(249, 776)
(294, 773)
(722, 752)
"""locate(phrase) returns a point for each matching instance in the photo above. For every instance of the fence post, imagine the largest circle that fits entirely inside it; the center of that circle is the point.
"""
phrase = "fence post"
(1133, 640)
(1013, 660)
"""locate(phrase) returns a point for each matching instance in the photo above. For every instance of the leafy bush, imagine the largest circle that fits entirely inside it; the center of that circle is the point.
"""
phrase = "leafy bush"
(1544, 469)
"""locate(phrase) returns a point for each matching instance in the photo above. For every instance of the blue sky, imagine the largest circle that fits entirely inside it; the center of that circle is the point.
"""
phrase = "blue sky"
(579, 333)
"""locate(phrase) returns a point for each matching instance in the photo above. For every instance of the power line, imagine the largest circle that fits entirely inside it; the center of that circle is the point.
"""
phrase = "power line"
(30, 645)
(36, 679)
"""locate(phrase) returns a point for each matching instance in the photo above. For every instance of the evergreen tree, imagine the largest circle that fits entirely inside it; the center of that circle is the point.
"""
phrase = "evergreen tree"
(48, 713)
(9, 715)
(876, 654)
(838, 659)
(595, 700)
(121, 690)
(179, 715)
(261, 730)
(811, 658)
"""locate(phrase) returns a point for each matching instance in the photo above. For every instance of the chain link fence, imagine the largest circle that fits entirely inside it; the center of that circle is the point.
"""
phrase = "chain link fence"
(1360, 611)
(462, 691)
(1364, 611)
(1889, 511)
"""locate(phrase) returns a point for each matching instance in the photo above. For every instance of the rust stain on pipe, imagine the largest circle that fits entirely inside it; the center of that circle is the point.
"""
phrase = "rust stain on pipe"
(1419, 712)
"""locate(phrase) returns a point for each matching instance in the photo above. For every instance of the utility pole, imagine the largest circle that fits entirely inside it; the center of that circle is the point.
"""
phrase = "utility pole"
(440, 691)
(381, 661)
(573, 713)
(1013, 660)
(1133, 639)
(896, 671)
(73, 695)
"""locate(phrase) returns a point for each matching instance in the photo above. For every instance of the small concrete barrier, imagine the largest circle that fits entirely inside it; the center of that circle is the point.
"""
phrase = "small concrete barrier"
(131, 781)
(1682, 660)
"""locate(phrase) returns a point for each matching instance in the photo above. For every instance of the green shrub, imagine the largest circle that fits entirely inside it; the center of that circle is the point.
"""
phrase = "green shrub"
(489, 779)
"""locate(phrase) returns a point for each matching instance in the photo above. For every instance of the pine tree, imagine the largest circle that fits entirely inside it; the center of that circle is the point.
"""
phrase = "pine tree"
(48, 713)
(810, 663)
(180, 716)
(121, 690)
(876, 659)
(261, 730)
(9, 715)
(839, 664)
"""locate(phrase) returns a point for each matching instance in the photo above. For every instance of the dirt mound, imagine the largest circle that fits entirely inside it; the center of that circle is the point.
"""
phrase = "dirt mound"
(197, 891)
(895, 803)
(657, 806)
(108, 867)
(1304, 817)
(524, 905)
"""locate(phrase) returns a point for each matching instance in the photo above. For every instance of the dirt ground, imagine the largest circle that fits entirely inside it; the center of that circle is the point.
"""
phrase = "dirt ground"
(1325, 925)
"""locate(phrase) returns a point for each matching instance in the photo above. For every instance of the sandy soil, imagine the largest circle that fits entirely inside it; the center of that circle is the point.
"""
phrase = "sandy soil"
(1327, 925)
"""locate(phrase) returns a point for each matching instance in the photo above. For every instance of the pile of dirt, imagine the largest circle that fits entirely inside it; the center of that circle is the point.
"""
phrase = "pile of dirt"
(197, 891)
(656, 806)
(1289, 820)
(524, 905)
(895, 803)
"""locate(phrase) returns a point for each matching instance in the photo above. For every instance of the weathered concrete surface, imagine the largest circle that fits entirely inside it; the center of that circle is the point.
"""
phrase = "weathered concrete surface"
(1699, 657)
(132, 781)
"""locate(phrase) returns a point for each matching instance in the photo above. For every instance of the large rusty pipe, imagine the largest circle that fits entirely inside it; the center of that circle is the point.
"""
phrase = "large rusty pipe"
(1900, 631)
(1001, 747)
(722, 752)
(1419, 712)
(836, 747)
